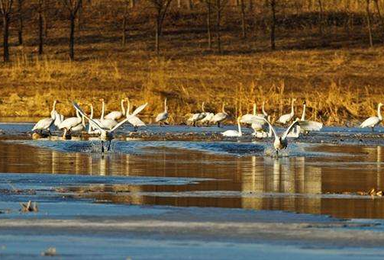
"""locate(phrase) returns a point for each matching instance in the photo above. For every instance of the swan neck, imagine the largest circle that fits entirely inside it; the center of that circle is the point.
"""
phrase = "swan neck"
(254, 109)
(303, 115)
(122, 106)
(165, 106)
(128, 108)
(292, 108)
(91, 112)
(239, 127)
(379, 112)
(102, 110)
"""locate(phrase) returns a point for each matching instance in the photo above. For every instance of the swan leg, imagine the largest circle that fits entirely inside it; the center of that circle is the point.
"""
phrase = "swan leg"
(109, 145)
(102, 146)
(135, 129)
(373, 129)
(277, 153)
(218, 124)
(65, 133)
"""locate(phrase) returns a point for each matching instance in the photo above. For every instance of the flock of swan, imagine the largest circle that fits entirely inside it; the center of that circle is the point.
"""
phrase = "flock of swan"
(106, 125)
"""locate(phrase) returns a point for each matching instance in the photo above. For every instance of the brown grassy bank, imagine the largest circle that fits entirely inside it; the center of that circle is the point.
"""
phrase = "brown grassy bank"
(339, 76)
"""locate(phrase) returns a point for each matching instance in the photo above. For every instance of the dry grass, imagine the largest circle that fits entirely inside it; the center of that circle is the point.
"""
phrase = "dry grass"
(339, 84)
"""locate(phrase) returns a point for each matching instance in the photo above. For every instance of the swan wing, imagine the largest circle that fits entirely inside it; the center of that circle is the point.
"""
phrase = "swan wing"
(135, 121)
(270, 125)
(139, 109)
(370, 122)
(94, 123)
(289, 129)
(310, 125)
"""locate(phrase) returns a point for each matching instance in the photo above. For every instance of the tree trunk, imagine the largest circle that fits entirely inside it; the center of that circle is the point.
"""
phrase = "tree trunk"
(273, 24)
(6, 36)
(209, 25)
(218, 19)
(20, 16)
(124, 30)
(369, 23)
(72, 37)
(379, 14)
(158, 35)
(41, 39)
(243, 27)
(251, 5)
(321, 17)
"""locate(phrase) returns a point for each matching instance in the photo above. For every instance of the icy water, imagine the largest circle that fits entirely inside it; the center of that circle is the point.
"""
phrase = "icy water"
(187, 193)
(314, 176)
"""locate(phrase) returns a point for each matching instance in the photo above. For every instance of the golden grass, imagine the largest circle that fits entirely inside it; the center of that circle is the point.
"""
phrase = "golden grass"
(339, 86)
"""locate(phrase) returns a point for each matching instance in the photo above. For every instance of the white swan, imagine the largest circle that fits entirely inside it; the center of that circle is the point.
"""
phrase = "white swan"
(70, 123)
(107, 123)
(260, 128)
(249, 118)
(45, 123)
(107, 134)
(198, 116)
(281, 142)
(116, 115)
(220, 117)
(288, 117)
(263, 110)
(208, 118)
(58, 117)
(373, 120)
(91, 129)
(306, 126)
(79, 127)
(234, 133)
(162, 117)
(133, 120)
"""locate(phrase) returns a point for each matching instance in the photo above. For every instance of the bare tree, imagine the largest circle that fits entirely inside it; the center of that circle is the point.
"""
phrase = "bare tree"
(127, 4)
(208, 5)
(369, 25)
(379, 14)
(321, 17)
(40, 11)
(20, 19)
(6, 10)
(243, 26)
(72, 6)
(272, 4)
(161, 8)
(219, 6)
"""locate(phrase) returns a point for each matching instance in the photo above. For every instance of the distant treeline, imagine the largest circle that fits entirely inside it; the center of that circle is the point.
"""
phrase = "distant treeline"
(39, 19)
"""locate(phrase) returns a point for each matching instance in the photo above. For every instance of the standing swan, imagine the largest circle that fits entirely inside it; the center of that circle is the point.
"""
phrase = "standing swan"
(220, 117)
(198, 116)
(45, 123)
(116, 115)
(106, 135)
(306, 125)
(234, 133)
(162, 117)
(281, 142)
(288, 117)
(133, 120)
(373, 120)
(107, 123)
